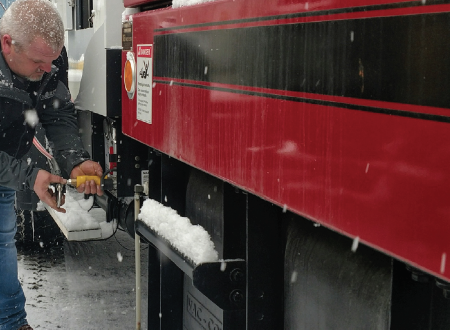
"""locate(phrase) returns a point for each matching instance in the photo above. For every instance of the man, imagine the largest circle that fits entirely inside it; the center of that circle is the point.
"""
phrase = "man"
(31, 38)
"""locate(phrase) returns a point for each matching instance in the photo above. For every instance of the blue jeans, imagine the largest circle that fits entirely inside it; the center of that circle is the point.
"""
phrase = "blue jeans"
(12, 298)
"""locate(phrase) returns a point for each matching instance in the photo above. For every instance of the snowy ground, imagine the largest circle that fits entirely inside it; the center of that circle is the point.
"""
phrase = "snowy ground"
(83, 285)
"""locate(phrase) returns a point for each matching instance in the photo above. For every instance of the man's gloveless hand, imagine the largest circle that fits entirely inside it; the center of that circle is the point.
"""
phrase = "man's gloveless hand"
(42, 188)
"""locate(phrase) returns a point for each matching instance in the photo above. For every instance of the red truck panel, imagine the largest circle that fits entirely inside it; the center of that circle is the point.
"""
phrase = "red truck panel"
(345, 133)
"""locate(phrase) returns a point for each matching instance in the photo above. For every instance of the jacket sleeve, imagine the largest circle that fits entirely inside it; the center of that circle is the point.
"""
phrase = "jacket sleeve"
(16, 174)
(60, 122)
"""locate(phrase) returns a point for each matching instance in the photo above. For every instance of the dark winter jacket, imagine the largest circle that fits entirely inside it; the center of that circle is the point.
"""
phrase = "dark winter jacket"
(50, 100)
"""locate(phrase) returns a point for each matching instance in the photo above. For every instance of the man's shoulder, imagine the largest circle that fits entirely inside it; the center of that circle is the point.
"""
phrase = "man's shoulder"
(7, 87)
(9, 91)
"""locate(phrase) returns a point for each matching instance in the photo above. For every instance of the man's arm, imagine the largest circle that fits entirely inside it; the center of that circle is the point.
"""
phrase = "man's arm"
(60, 123)
(61, 128)
(15, 173)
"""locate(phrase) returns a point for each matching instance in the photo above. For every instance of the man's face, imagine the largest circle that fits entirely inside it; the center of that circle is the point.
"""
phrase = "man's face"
(32, 61)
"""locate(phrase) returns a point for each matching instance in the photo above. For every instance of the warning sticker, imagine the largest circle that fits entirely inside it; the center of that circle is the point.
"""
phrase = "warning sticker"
(144, 83)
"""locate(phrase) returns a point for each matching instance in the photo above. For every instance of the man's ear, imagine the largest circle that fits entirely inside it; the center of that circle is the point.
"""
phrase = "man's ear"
(6, 42)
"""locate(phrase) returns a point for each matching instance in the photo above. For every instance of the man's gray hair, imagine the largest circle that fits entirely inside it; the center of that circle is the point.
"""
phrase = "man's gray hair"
(26, 20)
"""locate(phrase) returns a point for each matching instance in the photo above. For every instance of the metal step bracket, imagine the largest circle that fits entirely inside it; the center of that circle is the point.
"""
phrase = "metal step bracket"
(223, 282)
(91, 232)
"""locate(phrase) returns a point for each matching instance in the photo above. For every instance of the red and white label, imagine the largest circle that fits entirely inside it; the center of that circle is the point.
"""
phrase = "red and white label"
(144, 83)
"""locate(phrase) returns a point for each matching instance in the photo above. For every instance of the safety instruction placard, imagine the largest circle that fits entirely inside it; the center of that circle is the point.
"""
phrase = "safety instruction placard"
(144, 83)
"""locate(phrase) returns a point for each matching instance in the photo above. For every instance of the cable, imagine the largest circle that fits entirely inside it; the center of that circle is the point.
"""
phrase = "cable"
(143, 249)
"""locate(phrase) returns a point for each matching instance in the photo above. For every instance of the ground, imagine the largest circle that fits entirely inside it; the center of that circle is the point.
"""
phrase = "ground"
(82, 285)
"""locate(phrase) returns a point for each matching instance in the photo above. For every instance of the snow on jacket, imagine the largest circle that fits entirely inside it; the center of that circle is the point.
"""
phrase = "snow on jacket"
(49, 99)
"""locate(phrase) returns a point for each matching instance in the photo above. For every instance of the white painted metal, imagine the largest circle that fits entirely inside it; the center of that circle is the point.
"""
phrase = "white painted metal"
(86, 50)
(93, 232)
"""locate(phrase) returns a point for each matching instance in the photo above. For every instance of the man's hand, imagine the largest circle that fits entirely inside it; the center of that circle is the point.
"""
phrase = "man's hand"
(41, 187)
(88, 167)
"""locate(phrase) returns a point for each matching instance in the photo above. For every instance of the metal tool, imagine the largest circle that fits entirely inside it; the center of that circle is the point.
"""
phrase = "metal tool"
(55, 169)
(103, 181)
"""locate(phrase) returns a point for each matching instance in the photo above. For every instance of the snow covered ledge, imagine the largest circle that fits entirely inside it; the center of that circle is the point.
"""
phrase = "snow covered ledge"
(81, 222)
(191, 241)
(190, 248)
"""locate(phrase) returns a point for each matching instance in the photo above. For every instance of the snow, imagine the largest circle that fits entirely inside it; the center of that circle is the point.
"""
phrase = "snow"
(83, 285)
(294, 277)
(81, 221)
(127, 14)
(183, 3)
(193, 241)
(443, 264)
(355, 243)
(77, 216)
(31, 117)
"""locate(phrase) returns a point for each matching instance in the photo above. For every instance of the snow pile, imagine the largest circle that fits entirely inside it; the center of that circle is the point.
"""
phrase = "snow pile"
(77, 216)
(182, 3)
(31, 117)
(192, 241)
(127, 14)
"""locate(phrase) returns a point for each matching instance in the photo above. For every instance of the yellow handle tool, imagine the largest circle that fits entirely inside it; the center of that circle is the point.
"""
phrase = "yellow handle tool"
(77, 182)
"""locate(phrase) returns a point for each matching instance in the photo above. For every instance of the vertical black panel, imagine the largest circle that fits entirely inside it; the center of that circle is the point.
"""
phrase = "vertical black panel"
(83, 13)
(234, 223)
(221, 210)
(440, 306)
(174, 176)
(154, 167)
(132, 160)
(153, 287)
(171, 297)
(264, 266)
(205, 205)
(174, 181)
(91, 128)
(113, 82)
(417, 301)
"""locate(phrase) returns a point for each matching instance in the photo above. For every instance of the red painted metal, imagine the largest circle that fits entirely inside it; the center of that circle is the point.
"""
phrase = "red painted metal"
(382, 178)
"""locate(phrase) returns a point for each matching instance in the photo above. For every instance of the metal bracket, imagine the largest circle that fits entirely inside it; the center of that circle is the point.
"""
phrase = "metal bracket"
(223, 282)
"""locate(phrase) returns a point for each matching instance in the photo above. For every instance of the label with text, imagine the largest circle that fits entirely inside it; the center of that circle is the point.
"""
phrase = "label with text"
(201, 314)
(144, 83)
